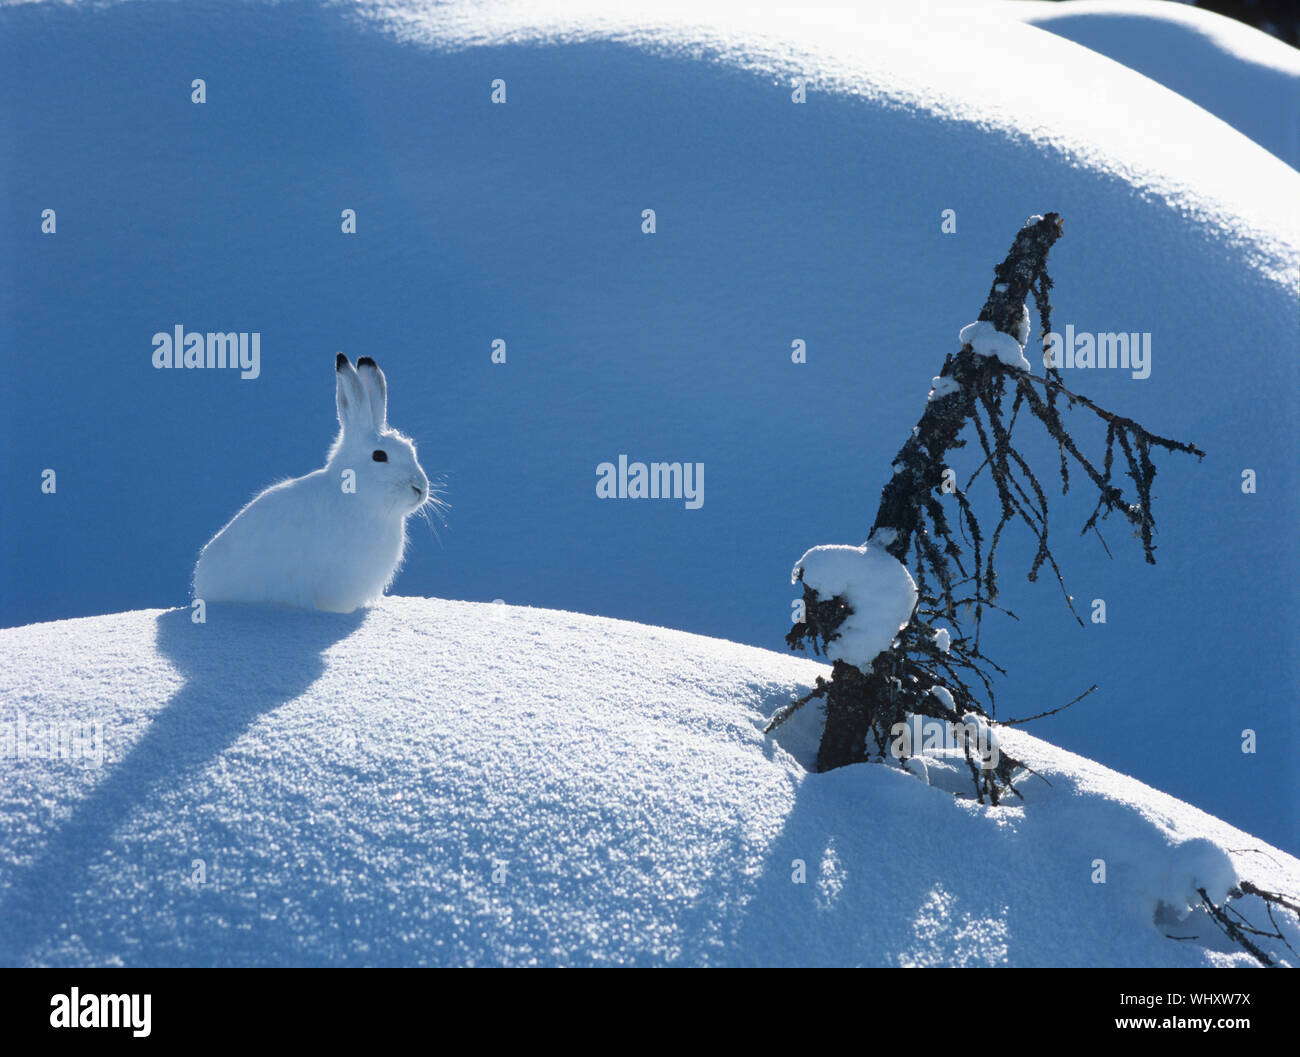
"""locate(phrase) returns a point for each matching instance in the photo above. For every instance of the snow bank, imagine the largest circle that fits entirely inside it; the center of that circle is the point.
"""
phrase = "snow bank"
(876, 586)
(446, 783)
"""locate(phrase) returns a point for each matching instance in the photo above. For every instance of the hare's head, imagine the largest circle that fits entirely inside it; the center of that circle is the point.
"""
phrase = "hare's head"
(387, 470)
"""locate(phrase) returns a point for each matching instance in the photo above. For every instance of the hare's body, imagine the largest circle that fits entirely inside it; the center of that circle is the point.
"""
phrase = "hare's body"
(335, 538)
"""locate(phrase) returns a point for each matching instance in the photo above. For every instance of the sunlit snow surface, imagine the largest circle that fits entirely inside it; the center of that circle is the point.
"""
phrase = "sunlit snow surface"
(950, 59)
(453, 783)
(819, 221)
(1249, 79)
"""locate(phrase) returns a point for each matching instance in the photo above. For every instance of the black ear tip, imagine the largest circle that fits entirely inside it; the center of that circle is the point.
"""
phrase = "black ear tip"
(340, 361)
(366, 361)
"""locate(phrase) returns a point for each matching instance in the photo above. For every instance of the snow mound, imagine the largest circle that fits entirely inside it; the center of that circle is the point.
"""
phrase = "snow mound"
(928, 56)
(1173, 888)
(776, 219)
(1247, 78)
(450, 783)
(876, 586)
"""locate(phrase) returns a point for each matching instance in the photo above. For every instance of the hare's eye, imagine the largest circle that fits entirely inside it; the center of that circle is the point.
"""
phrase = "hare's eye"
(380, 456)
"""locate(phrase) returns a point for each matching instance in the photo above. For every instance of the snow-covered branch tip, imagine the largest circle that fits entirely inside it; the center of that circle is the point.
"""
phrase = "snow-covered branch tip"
(929, 525)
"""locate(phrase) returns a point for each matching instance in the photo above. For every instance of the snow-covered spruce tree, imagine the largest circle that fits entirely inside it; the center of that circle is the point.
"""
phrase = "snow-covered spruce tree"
(876, 619)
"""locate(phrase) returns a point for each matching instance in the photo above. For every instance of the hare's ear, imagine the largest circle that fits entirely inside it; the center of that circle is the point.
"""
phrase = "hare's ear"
(376, 386)
(353, 404)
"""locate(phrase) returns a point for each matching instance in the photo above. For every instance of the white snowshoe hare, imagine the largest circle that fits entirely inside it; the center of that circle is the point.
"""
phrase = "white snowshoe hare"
(314, 542)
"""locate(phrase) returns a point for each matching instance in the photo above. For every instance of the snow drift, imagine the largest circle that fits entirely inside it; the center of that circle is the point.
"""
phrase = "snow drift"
(819, 221)
(448, 783)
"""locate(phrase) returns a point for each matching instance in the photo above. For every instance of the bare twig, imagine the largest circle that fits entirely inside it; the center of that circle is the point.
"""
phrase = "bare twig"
(1233, 930)
(1044, 715)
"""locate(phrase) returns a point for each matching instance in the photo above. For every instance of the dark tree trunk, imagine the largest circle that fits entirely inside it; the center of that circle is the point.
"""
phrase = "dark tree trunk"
(921, 459)
(846, 728)
(857, 699)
